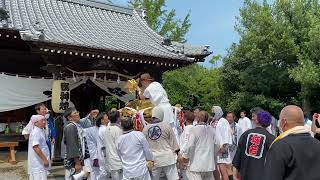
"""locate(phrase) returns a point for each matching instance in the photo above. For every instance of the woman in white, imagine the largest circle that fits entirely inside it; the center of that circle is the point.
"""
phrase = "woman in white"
(38, 150)
(102, 122)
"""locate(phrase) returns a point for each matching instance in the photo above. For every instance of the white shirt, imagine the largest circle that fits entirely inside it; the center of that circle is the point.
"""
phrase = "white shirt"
(158, 97)
(35, 163)
(185, 137)
(101, 145)
(308, 125)
(200, 148)
(156, 93)
(244, 124)
(236, 133)
(113, 132)
(92, 141)
(134, 151)
(195, 122)
(224, 136)
(163, 143)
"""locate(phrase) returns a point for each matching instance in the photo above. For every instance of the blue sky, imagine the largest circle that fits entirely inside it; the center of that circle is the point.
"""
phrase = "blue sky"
(212, 21)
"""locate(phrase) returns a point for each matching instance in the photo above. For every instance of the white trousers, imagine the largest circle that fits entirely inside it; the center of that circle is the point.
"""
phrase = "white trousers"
(116, 174)
(67, 174)
(38, 176)
(200, 175)
(183, 173)
(103, 173)
(95, 173)
(87, 167)
(170, 171)
(146, 176)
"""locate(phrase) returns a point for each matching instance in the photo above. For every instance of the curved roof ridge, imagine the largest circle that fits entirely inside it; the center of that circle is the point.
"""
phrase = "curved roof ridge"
(156, 36)
(104, 6)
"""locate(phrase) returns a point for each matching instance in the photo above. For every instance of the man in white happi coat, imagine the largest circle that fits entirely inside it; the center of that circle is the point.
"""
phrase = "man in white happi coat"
(134, 152)
(235, 139)
(159, 98)
(38, 151)
(112, 134)
(77, 156)
(92, 140)
(102, 122)
(224, 136)
(163, 144)
(244, 122)
(235, 133)
(184, 138)
(200, 150)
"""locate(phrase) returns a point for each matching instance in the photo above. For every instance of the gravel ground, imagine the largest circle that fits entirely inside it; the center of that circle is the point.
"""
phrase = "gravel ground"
(16, 172)
(20, 170)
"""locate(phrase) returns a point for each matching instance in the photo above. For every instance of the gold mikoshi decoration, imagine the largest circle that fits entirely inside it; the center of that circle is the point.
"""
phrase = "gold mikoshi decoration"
(134, 106)
(132, 85)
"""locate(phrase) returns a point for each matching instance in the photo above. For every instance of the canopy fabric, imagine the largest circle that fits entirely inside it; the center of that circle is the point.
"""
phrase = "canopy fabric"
(20, 92)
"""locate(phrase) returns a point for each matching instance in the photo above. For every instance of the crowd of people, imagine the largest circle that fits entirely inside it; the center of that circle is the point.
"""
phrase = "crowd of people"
(201, 146)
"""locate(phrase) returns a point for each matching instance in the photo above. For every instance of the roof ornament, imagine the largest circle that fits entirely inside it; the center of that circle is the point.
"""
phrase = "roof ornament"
(4, 18)
(144, 14)
(39, 34)
(167, 42)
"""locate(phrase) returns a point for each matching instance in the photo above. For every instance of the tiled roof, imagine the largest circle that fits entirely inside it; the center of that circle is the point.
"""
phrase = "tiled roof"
(96, 25)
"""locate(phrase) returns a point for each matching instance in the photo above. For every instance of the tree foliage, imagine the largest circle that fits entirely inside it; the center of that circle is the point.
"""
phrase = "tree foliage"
(275, 63)
(277, 56)
(193, 86)
(162, 20)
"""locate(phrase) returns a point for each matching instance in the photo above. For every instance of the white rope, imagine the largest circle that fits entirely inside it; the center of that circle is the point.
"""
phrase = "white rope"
(103, 72)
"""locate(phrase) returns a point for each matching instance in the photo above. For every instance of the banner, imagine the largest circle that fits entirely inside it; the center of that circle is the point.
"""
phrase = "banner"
(60, 96)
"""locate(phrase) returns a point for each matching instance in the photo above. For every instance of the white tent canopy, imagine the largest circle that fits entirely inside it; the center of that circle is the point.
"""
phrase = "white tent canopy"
(20, 92)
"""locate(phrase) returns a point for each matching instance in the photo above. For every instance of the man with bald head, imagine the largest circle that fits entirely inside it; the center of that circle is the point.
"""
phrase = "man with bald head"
(294, 154)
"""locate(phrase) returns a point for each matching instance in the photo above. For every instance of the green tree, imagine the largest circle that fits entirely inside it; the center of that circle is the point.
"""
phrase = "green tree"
(192, 86)
(276, 61)
(162, 20)
(256, 70)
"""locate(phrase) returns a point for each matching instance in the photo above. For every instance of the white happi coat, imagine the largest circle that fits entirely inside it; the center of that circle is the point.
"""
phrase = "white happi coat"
(158, 97)
(92, 141)
(185, 137)
(224, 136)
(200, 148)
(113, 132)
(244, 124)
(134, 151)
(236, 133)
(35, 163)
(102, 143)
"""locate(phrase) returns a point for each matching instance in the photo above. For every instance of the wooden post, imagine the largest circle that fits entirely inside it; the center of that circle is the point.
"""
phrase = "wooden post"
(12, 159)
(12, 152)
(59, 133)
